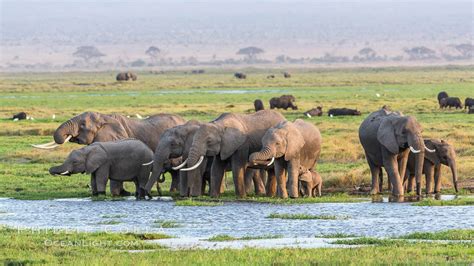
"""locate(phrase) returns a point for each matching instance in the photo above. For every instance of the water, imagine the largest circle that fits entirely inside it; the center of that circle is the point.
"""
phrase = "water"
(234, 219)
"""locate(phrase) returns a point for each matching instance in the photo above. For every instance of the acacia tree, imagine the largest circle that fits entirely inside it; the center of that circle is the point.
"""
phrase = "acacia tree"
(250, 53)
(87, 53)
(153, 52)
(420, 53)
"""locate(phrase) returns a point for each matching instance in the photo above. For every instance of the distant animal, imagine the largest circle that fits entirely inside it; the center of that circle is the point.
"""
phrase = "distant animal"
(122, 160)
(270, 76)
(450, 102)
(442, 95)
(342, 111)
(125, 76)
(468, 103)
(198, 71)
(20, 116)
(240, 75)
(283, 102)
(286, 75)
(258, 104)
(310, 183)
(318, 111)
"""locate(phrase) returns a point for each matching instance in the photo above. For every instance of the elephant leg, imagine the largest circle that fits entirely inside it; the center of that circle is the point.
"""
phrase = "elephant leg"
(101, 178)
(391, 166)
(437, 178)
(183, 184)
(174, 181)
(217, 173)
(402, 162)
(271, 185)
(93, 185)
(410, 183)
(320, 187)
(280, 173)
(115, 188)
(248, 180)
(196, 180)
(429, 175)
(206, 177)
(375, 172)
(238, 172)
(380, 180)
(293, 173)
(258, 181)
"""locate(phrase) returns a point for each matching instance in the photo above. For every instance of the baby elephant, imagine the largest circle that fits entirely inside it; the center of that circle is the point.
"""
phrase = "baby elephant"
(318, 111)
(468, 103)
(122, 160)
(310, 183)
(342, 111)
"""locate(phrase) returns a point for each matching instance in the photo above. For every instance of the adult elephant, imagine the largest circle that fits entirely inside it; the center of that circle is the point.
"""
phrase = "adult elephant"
(291, 146)
(125, 76)
(442, 153)
(385, 136)
(230, 139)
(90, 127)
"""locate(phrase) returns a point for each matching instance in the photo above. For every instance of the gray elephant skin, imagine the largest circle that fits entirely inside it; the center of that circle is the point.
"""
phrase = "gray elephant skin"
(290, 145)
(125, 76)
(90, 127)
(122, 160)
(387, 136)
(230, 138)
(444, 154)
(450, 102)
(310, 183)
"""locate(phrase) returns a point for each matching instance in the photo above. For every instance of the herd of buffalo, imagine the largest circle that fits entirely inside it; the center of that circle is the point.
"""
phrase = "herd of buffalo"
(265, 153)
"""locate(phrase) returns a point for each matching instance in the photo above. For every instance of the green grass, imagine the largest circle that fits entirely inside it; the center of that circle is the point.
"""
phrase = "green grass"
(114, 216)
(110, 222)
(218, 238)
(166, 224)
(44, 247)
(366, 241)
(191, 202)
(24, 170)
(455, 234)
(460, 201)
(303, 216)
(336, 235)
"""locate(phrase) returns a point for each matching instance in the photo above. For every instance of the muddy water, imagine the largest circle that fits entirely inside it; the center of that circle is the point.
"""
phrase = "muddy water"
(235, 219)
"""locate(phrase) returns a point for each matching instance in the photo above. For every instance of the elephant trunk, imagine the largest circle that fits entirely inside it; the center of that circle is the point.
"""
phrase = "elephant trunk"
(68, 128)
(452, 165)
(195, 156)
(416, 143)
(59, 170)
(158, 164)
(266, 153)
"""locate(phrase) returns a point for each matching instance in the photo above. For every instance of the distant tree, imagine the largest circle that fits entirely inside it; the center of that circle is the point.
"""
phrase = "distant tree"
(465, 49)
(420, 53)
(87, 53)
(250, 52)
(368, 53)
(153, 52)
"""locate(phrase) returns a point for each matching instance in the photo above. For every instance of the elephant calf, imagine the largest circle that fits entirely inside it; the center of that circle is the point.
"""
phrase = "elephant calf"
(468, 103)
(318, 111)
(310, 183)
(122, 160)
(283, 102)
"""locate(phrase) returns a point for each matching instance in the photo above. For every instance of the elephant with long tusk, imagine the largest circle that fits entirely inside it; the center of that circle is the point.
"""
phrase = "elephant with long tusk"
(438, 152)
(387, 136)
(230, 139)
(90, 127)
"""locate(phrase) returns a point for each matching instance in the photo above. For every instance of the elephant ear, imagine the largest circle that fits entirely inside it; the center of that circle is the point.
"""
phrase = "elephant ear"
(95, 157)
(386, 136)
(294, 142)
(433, 157)
(110, 129)
(231, 140)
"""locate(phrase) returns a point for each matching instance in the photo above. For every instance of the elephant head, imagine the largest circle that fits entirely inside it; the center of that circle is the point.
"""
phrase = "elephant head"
(283, 140)
(212, 139)
(84, 128)
(400, 132)
(84, 160)
(174, 143)
(444, 154)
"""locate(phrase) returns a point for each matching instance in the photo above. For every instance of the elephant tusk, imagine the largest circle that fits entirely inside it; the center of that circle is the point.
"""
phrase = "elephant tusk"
(308, 115)
(413, 150)
(68, 138)
(271, 162)
(195, 166)
(50, 145)
(148, 163)
(430, 150)
(180, 166)
(64, 173)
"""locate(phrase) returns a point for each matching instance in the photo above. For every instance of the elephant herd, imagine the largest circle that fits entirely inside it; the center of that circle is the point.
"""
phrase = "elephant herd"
(445, 101)
(265, 153)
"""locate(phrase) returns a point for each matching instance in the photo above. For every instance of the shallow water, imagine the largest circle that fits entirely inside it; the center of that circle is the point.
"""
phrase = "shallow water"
(234, 219)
